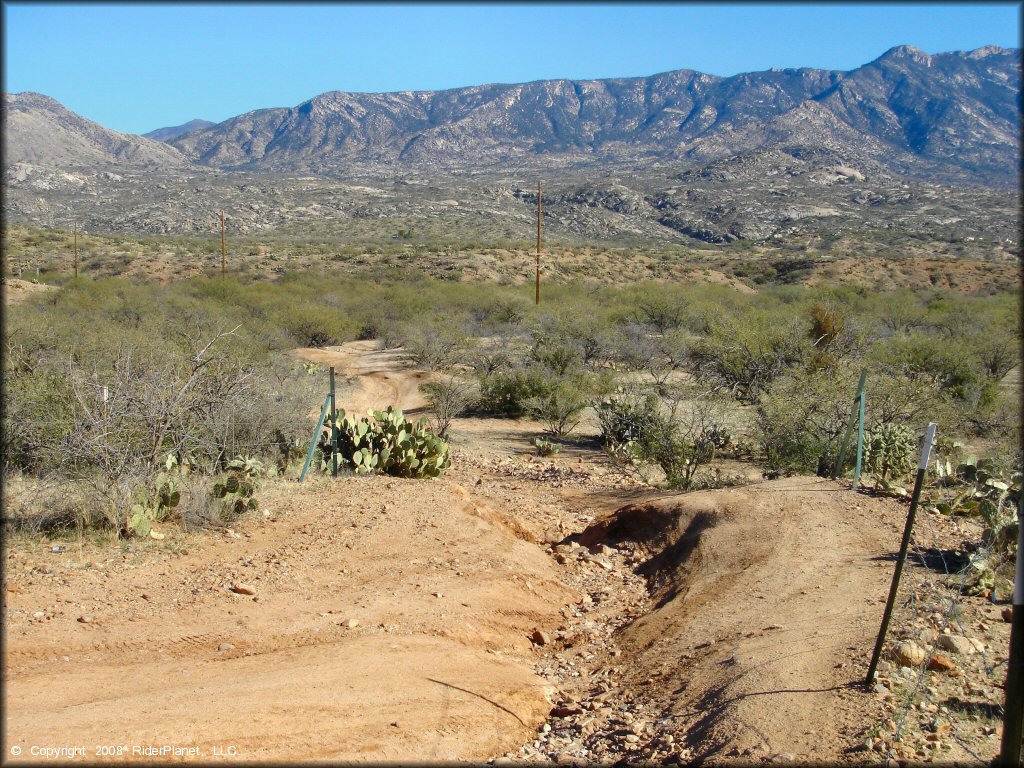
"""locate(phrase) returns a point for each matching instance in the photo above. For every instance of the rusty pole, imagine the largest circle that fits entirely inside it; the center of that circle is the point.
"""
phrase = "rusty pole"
(74, 230)
(539, 210)
(223, 249)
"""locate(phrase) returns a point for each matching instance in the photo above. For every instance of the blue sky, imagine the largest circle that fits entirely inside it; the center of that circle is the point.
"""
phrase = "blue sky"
(135, 68)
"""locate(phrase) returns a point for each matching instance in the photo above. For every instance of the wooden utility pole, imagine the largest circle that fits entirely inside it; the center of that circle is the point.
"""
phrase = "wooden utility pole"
(539, 210)
(74, 229)
(223, 249)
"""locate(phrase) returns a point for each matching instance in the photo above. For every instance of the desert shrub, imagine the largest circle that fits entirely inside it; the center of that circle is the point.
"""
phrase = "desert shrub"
(627, 414)
(680, 444)
(487, 360)
(949, 363)
(658, 355)
(505, 393)
(659, 307)
(498, 314)
(313, 326)
(556, 354)
(447, 399)
(38, 408)
(562, 401)
(829, 336)
(800, 422)
(179, 379)
(435, 348)
(745, 354)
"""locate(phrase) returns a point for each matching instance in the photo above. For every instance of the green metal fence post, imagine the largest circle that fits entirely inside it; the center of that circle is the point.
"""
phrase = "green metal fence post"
(838, 466)
(334, 431)
(316, 434)
(860, 442)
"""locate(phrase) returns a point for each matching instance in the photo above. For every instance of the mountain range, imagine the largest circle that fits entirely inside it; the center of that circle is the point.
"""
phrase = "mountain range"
(625, 146)
(944, 116)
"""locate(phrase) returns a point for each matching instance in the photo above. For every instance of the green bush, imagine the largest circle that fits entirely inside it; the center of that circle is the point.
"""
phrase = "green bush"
(745, 354)
(801, 421)
(680, 444)
(561, 404)
(626, 415)
(506, 393)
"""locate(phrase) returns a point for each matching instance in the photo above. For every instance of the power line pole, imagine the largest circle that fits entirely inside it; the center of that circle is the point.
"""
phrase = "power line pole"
(223, 249)
(539, 210)
(74, 229)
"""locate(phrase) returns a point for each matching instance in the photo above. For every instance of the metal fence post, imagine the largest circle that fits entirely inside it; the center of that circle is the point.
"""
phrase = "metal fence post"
(838, 466)
(316, 434)
(860, 442)
(334, 431)
(926, 448)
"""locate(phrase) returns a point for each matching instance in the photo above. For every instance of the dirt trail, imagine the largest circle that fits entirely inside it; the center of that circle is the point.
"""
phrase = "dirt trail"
(377, 377)
(766, 603)
(392, 619)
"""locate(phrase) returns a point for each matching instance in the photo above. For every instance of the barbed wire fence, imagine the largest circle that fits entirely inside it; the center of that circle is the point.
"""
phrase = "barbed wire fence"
(943, 686)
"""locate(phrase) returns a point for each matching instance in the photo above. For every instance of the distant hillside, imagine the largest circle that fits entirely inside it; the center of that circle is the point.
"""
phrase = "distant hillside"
(40, 131)
(944, 117)
(173, 132)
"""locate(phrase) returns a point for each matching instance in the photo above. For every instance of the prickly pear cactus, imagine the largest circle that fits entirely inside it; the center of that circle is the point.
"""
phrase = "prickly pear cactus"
(385, 441)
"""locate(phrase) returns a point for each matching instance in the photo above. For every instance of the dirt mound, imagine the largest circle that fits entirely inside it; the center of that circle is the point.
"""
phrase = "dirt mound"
(766, 603)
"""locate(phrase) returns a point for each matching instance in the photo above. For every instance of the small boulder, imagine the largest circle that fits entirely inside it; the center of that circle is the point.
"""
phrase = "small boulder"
(909, 654)
(565, 710)
(242, 589)
(965, 646)
(940, 663)
(540, 638)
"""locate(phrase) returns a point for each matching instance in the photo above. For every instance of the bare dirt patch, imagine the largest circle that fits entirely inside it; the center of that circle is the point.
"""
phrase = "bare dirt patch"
(16, 291)
(390, 620)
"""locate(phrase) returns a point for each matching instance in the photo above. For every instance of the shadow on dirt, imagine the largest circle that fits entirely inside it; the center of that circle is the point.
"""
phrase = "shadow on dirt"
(946, 561)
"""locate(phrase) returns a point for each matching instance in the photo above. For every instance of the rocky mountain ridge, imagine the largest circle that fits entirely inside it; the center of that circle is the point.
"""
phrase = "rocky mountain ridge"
(941, 117)
(40, 131)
